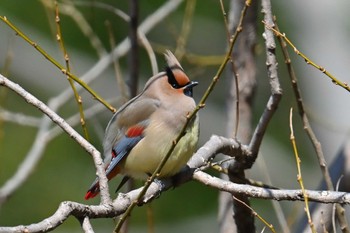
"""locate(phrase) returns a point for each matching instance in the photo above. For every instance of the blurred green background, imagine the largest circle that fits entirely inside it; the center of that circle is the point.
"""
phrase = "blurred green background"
(66, 171)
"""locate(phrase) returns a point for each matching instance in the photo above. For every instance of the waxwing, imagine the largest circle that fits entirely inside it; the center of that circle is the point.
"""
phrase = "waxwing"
(141, 132)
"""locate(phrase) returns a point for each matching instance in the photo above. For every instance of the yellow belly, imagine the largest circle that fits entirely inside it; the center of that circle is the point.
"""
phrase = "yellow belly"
(145, 157)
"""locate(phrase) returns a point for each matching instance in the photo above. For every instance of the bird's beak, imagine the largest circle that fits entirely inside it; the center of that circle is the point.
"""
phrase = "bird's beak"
(188, 88)
(191, 84)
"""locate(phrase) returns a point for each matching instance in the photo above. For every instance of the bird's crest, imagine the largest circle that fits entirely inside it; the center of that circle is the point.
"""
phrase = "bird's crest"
(171, 60)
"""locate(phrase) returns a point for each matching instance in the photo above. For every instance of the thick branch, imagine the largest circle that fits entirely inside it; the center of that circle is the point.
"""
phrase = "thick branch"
(121, 203)
(210, 149)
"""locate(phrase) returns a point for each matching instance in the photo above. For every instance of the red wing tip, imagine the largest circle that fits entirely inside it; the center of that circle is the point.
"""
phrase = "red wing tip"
(90, 195)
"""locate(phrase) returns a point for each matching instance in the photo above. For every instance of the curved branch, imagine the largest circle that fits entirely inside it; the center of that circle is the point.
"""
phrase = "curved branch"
(215, 145)
(25, 168)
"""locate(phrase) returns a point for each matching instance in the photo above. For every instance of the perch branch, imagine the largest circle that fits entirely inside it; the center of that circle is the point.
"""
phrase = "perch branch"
(213, 146)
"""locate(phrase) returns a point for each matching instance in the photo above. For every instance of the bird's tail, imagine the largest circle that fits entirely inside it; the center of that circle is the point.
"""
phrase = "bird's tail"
(93, 190)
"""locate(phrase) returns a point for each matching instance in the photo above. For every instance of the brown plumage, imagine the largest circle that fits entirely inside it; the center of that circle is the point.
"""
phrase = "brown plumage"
(139, 135)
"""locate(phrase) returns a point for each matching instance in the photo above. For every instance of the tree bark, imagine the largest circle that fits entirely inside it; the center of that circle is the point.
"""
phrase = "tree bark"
(233, 215)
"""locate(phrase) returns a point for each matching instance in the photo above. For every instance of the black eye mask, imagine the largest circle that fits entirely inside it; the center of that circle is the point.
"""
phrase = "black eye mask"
(188, 88)
(171, 77)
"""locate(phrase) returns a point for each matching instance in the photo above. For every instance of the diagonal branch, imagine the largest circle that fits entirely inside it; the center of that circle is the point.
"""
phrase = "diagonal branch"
(19, 178)
(39, 145)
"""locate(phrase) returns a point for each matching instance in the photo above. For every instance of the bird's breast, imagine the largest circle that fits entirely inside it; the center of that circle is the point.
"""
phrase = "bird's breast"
(145, 157)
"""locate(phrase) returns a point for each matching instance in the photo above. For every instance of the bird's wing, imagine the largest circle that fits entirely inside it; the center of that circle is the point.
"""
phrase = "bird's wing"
(124, 145)
(119, 152)
(123, 132)
(135, 112)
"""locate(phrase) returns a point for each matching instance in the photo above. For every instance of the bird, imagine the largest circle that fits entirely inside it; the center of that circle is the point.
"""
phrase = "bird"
(142, 131)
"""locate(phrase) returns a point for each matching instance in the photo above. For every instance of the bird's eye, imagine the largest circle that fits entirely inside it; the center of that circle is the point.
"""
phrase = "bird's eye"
(171, 78)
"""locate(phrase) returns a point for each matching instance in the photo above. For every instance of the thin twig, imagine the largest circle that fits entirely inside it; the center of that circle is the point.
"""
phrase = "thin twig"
(57, 64)
(231, 213)
(141, 35)
(105, 199)
(38, 146)
(233, 66)
(306, 59)
(276, 205)
(309, 131)
(68, 8)
(200, 105)
(150, 218)
(266, 223)
(299, 176)
(118, 74)
(334, 208)
(185, 29)
(78, 98)
(224, 14)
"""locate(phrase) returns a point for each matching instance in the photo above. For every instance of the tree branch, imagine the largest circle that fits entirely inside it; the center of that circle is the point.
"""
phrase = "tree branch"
(39, 145)
(213, 146)
(25, 168)
(276, 91)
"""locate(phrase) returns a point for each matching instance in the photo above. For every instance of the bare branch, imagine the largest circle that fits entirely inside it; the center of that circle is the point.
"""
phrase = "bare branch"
(149, 23)
(26, 168)
(39, 145)
(121, 203)
(215, 145)
(276, 91)
(19, 118)
(242, 21)
(68, 8)
(273, 194)
(86, 225)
